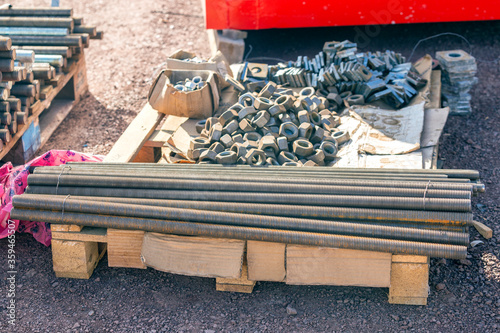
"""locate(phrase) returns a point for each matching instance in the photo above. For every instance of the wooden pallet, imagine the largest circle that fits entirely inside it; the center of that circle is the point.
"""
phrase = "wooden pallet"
(57, 100)
(245, 262)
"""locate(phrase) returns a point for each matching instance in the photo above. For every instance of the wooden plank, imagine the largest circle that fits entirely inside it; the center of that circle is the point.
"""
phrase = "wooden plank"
(308, 265)
(169, 125)
(53, 117)
(435, 91)
(134, 137)
(409, 280)
(193, 256)
(65, 227)
(434, 122)
(239, 285)
(266, 261)
(87, 234)
(124, 248)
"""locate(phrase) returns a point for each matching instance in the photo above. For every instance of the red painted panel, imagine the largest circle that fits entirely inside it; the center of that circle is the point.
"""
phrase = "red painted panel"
(266, 14)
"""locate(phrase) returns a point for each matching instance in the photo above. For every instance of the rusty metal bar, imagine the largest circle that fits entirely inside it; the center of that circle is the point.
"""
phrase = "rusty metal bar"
(246, 233)
(237, 186)
(438, 204)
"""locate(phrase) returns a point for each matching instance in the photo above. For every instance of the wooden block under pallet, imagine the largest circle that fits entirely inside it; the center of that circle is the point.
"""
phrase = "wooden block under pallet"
(76, 259)
(239, 285)
(87, 234)
(409, 280)
(124, 248)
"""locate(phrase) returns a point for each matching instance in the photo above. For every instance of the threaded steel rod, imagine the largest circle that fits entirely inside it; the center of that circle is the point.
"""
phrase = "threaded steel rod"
(439, 204)
(235, 186)
(49, 22)
(44, 12)
(458, 173)
(246, 233)
(278, 179)
(424, 218)
(39, 202)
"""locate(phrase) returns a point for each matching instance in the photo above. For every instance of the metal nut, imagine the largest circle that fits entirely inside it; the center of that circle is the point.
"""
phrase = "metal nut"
(306, 92)
(239, 149)
(292, 164)
(289, 130)
(226, 140)
(303, 148)
(204, 133)
(208, 156)
(315, 118)
(228, 116)
(268, 142)
(329, 150)
(210, 122)
(318, 134)
(325, 112)
(261, 119)
(318, 157)
(356, 100)
(231, 127)
(303, 117)
(247, 99)
(286, 156)
(199, 142)
(305, 130)
(217, 147)
(241, 160)
(247, 111)
(200, 126)
(310, 164)
(252, 136)
(282, 143)
(285, 117)
(195, 154)
(268, 90)
(262, 103)
(246, 126)
(238, 138)
(341, 137)
(272, 161)
(276, 109)
(227, 157)
(285, 100)
(255, 157)
(272, 122)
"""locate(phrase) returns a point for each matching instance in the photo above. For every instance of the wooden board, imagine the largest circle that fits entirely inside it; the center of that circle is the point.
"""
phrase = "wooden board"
(87, 234)
(266, 261)
(309, 265)
(74, 259)
(124, 248)
(134, 137)
(194, 256)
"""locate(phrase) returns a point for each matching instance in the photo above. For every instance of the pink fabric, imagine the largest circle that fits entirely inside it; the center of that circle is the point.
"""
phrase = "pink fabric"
(13, 181)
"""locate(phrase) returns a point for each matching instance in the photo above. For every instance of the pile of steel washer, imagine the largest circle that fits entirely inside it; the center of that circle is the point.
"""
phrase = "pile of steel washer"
(419, 212)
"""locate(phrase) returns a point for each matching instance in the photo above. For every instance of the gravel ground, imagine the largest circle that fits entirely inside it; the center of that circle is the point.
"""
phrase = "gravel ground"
(464, 295)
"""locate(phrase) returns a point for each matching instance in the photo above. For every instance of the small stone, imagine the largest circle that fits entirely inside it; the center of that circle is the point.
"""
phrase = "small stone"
(55, 284)
(291, 311)
(209, 331)
(76, 325)
(91, 312)
(465, 262)
(396, 318)
(442, 261)
(440, 286)
(97, 279)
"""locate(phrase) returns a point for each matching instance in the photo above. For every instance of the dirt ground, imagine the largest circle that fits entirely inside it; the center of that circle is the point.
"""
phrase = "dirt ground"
(138, 37)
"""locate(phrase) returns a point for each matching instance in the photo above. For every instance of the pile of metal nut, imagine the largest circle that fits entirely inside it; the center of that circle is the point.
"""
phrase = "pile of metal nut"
(272, 125)
(458, 78)
(341, 69)
(190, 84)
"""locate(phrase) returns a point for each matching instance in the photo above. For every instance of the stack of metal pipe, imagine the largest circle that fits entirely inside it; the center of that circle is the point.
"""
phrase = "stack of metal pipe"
(419, 212)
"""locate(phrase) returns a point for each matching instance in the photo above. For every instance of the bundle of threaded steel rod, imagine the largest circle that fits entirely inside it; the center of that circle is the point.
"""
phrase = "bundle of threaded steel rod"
(420, 212)
(37, 47)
